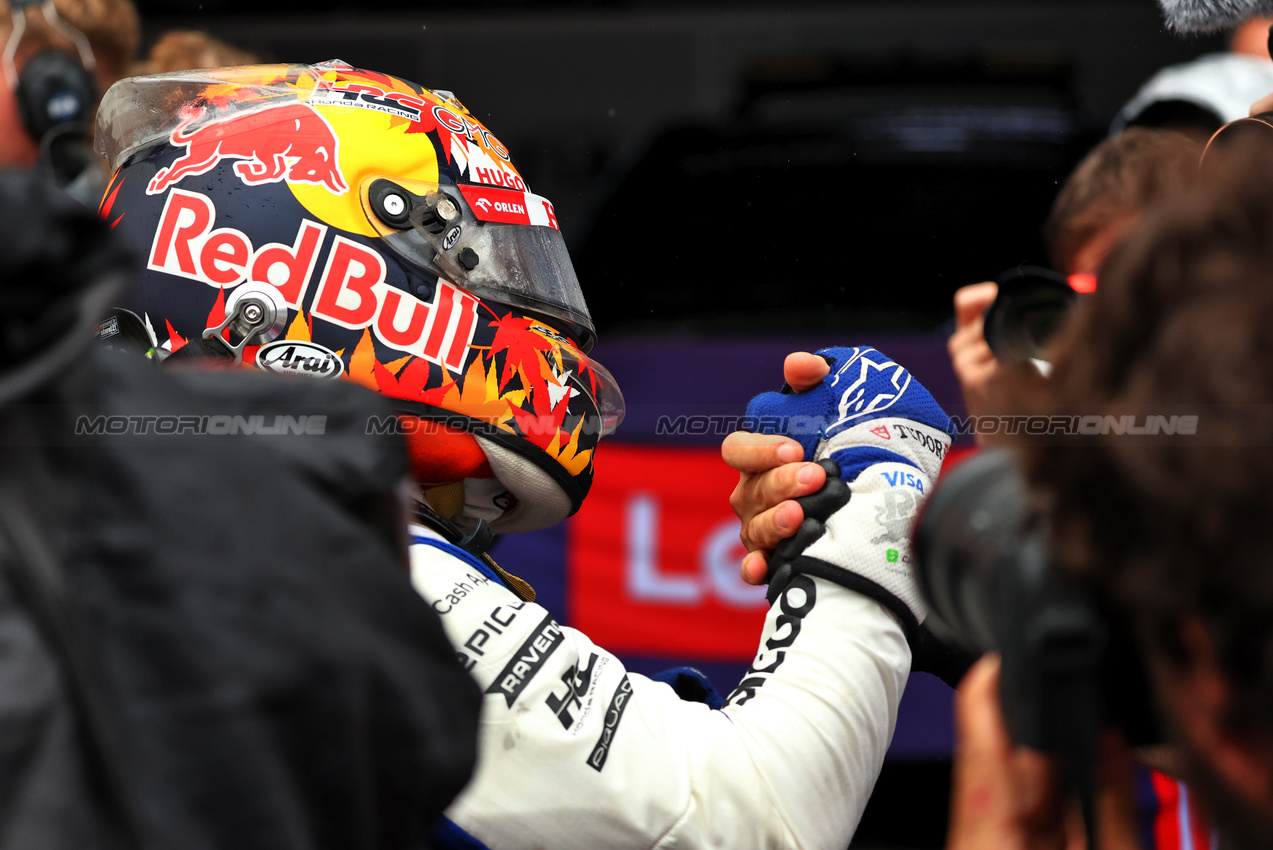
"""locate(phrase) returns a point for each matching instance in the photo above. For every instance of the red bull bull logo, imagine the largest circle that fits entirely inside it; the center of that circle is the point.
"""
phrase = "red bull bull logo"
(291, 142)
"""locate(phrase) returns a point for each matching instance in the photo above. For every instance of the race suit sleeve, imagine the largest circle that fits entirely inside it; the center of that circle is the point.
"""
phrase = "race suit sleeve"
(576, 752)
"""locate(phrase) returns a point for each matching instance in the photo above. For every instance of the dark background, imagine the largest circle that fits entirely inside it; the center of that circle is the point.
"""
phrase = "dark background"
(729, 171)
(725, 168)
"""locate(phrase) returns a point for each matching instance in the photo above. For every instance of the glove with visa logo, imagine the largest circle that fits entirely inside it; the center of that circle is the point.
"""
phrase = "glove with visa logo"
(882, 437)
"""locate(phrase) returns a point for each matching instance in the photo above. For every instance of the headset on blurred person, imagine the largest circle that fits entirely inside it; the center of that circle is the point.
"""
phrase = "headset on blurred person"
(56, 93)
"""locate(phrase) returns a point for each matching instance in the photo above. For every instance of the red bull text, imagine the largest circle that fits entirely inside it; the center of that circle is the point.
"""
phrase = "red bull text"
(350, 290)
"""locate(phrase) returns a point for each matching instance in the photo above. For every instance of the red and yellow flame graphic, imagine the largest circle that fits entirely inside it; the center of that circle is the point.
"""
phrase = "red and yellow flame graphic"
(506, 385)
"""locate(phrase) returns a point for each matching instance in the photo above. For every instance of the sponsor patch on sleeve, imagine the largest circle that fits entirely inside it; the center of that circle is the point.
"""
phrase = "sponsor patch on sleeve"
(614, 714)
(527, 661)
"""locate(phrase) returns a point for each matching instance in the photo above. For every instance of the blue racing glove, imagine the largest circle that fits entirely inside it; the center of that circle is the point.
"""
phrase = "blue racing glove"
(887, 437)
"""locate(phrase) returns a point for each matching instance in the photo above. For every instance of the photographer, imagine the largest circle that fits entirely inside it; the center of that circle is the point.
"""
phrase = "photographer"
(1170, 534)
(57, 59)
(1098, 204)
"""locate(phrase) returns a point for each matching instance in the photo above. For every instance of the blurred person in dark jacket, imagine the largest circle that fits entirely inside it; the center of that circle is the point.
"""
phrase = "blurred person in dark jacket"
(208, 636)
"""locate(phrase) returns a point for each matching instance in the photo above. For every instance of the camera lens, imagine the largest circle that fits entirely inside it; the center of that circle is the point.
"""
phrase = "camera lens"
(969, 530)
(1031, 304)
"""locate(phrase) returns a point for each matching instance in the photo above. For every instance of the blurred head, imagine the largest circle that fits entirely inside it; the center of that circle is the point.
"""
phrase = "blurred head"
(183, 50)
(1103, 197)
(330, 222)
(1174, 532)
(111, 27)
(112, 32)
(1251, 37)
(1211, 15)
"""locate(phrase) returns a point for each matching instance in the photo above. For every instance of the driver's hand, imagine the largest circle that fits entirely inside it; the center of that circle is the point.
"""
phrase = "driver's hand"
(771, 474)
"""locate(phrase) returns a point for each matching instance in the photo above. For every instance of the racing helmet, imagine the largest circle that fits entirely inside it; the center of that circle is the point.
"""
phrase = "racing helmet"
(331, 222)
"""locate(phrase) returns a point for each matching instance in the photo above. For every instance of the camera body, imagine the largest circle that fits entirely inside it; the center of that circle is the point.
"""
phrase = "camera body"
(1070, 668)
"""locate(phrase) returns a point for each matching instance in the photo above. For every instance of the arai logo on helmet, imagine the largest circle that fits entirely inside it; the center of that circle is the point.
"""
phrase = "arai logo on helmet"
(452, 236)
(294, 357)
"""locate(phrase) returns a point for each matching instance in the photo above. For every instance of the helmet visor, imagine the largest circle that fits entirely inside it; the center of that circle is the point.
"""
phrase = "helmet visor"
(140, 111)
(499, 244)
(595, 381)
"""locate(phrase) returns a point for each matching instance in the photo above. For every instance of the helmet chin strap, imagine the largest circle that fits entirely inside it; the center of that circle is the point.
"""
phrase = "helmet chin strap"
(501, 486)
(469, 500)
(475, 542)
(447, 500)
